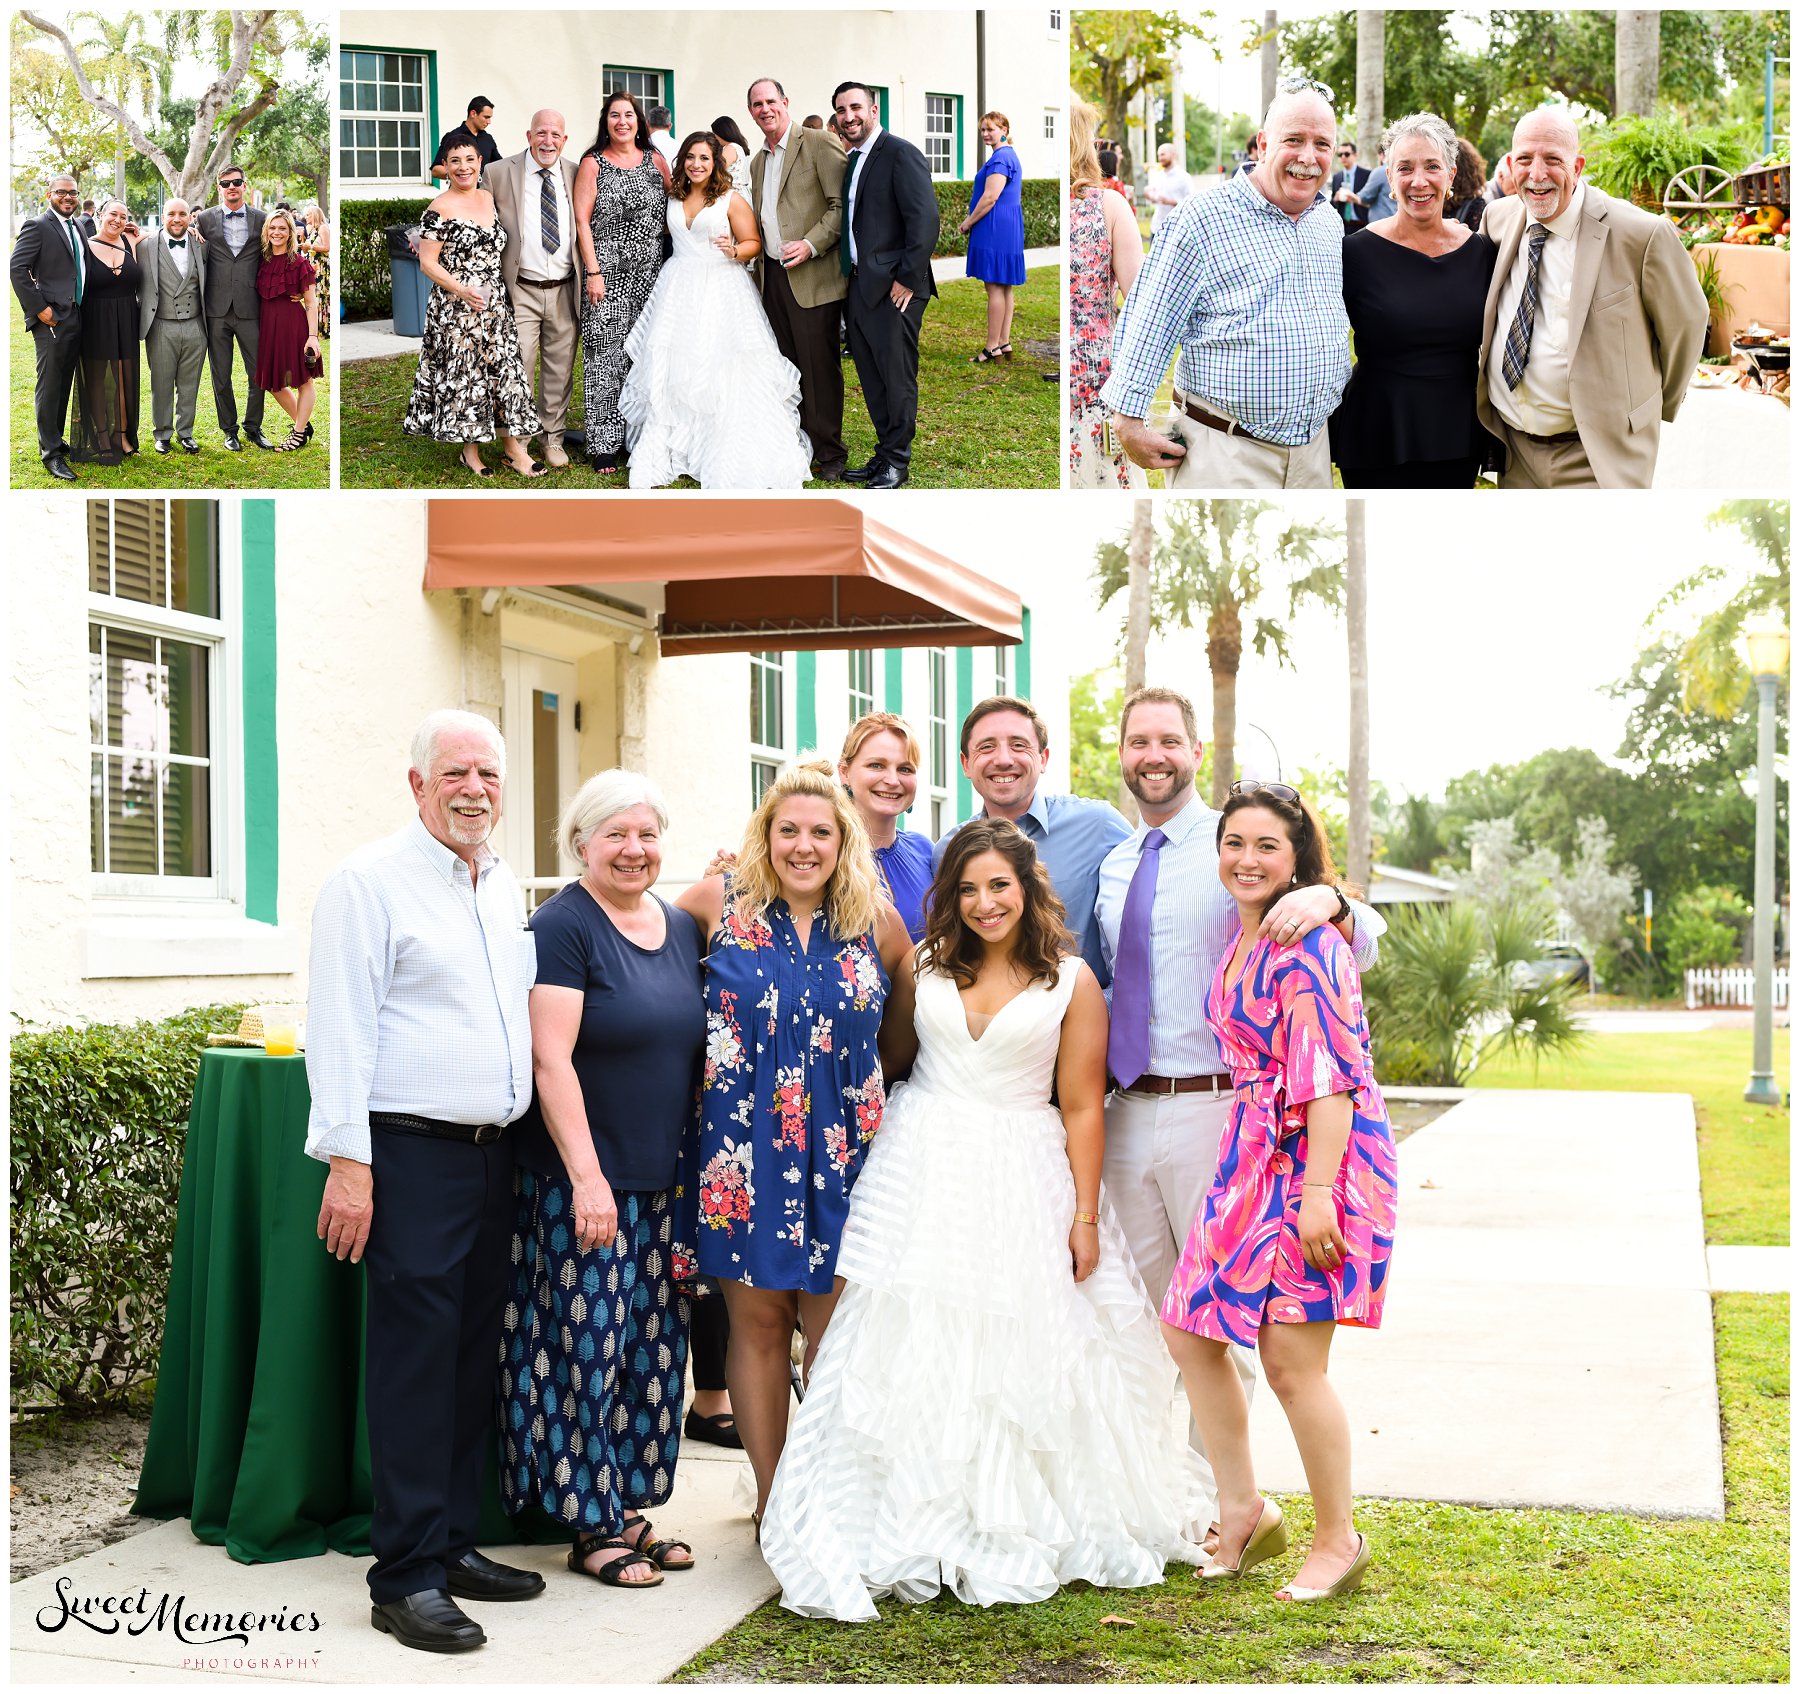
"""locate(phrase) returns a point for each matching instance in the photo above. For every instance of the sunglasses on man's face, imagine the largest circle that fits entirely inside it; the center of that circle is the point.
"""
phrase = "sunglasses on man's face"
(232, 182)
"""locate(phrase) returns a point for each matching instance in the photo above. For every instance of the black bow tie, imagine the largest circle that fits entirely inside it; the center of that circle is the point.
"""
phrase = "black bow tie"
(237, 214)
(178, 241)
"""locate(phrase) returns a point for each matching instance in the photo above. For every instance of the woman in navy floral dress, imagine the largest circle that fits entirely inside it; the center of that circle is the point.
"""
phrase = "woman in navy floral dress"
(806, 964)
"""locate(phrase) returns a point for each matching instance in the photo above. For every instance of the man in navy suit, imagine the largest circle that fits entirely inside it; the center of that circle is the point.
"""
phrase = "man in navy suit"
(1346, 183)
(890, 228)
(48, 270)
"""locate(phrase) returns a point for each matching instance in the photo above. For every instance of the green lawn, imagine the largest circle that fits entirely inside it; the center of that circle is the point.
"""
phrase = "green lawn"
(1457, 1594)
(980, 426)
(211, 468)
(1743, 1148)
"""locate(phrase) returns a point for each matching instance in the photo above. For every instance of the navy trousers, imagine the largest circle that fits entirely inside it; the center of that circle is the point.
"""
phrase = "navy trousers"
(437, 1267)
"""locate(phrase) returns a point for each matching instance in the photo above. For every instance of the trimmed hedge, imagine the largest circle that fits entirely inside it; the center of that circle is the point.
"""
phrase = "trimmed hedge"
(99, 1126)
(362, 257)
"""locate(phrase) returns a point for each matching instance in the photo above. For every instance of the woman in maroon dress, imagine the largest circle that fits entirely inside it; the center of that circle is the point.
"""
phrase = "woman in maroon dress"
(287, 346)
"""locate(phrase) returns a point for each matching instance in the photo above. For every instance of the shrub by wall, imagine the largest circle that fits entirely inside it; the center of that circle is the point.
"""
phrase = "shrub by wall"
(362, 255)
(99, 1124)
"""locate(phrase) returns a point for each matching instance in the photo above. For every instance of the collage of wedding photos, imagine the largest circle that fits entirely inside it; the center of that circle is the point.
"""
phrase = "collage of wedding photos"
(833, 857)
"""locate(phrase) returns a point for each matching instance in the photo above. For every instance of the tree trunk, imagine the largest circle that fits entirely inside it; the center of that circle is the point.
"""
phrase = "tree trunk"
(1137, 618)
(1361, 867)
(1271, 63)
(1224, 650)
(1371, 82)
(1637, 42)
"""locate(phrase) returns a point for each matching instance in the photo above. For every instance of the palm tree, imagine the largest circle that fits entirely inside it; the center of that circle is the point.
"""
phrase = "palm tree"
(1222, 561)
(1137, 618)
(1360, 868)
(1637, 44)
(123, 63)
(1714, 678)
(1371, 81)
(1271, 63)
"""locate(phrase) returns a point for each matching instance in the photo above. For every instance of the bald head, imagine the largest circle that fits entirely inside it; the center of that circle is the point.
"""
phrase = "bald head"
(546, 136)
(175, 215)
(1551, 123)
(1546, 162)
(1297, 138)
(1306, 104)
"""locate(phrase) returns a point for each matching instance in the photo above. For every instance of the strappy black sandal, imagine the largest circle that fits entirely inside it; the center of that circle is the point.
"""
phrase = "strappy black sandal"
(989, 356)
(649, 1547)
(609, 1573)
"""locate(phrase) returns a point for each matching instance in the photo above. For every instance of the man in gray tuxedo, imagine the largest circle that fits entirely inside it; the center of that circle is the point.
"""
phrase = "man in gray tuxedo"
(172, 303)
(232, 232)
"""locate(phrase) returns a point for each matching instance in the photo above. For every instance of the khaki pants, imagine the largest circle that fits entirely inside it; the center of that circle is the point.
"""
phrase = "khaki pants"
(547, 331)
(1533, 464)
(1217, 460)
(1161, 1153)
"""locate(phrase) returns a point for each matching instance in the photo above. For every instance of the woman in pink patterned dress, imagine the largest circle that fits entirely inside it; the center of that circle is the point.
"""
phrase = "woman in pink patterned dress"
(1295, 1234)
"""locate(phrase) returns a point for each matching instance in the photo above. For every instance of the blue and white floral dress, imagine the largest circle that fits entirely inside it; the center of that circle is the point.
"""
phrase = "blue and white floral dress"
(791, 1094)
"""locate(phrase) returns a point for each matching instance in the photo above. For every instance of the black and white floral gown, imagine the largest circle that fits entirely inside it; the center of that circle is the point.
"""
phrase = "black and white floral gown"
(471, 382)
(630, 207)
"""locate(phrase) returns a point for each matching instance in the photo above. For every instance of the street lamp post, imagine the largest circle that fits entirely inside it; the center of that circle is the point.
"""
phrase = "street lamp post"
(1766, 648)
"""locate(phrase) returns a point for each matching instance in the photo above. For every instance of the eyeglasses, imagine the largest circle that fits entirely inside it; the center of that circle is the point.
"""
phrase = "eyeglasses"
(231, 182)
(1303, 84)
(1346, 153)
(1275, 790)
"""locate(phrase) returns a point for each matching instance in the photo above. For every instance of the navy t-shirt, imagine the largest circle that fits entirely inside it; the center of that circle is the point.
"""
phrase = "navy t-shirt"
(637, 1052)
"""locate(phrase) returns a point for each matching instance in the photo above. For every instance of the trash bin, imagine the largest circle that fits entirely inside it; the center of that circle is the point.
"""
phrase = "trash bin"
(411, 286)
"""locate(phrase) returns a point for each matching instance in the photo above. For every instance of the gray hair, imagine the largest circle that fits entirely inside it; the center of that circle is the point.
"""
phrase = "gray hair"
(449, 721)
(1429, 127)
(604, 795)
(780, 92)
(1287, 97)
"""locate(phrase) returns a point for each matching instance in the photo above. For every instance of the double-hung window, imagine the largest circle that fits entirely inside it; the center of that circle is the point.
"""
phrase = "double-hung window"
(382, 100)
(862, 684)
(937, 738)
(768, 721)
(940, 134)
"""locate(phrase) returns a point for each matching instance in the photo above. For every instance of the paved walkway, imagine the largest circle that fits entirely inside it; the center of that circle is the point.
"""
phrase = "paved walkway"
(374, 338)
(1725, 438)
(1548, 1342)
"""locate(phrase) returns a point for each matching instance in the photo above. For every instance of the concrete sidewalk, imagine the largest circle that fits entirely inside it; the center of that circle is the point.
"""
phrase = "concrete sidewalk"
(1726, 438)
(374, 338)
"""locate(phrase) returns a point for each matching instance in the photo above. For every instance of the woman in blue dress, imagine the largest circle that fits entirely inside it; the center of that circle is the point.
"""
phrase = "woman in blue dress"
(806, 964)
(880, 767)
(995, 227)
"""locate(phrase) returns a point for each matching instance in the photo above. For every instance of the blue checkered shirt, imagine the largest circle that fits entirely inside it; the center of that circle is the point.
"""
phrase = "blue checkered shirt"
(1255, 301)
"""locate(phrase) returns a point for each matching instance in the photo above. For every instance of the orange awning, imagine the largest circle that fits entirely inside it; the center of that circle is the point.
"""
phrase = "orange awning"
(740, 575)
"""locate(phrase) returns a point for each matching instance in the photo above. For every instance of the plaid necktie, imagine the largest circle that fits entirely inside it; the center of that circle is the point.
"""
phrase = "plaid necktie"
(845, 262)
(1128, 1038)
(1518, 338)
(551, 228)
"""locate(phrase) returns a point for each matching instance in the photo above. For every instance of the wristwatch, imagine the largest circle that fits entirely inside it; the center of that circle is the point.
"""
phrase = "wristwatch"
(1343, 910)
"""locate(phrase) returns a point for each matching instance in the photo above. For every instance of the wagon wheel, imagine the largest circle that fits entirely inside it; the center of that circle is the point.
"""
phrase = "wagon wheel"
(1700, 195)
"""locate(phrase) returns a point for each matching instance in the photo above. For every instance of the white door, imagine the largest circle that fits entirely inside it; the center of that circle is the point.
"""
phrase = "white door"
(541, 766)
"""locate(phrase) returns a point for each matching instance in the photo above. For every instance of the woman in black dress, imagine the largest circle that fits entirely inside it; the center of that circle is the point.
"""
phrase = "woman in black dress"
(106, 395)
(1415, 286)
(621, 217)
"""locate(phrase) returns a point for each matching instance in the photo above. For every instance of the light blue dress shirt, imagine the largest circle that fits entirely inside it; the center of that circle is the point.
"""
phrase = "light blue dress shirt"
(1255, 301)
(417, 993)
(1072, 835)
(1379, 194)
(1191, 925)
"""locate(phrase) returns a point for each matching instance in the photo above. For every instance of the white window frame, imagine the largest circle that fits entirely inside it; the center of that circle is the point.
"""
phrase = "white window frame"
(1056, 25)
(938, 746)
(223, 729)
(946, 138)
(610, 79)
(1003, 670)
(1050, 117)
(771, 752)
(861, 700)
(427, 141)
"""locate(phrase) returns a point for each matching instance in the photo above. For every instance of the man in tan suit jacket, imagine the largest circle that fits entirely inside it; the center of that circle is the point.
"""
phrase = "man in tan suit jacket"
(534, 198)
(1594, 324)
(802, 293)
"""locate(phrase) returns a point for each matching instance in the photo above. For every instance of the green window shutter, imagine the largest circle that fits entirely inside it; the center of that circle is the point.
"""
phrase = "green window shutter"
(806, 704)
(965, 702)
(891, 696)
(262, 787)
(1022, 658)
(960, 143)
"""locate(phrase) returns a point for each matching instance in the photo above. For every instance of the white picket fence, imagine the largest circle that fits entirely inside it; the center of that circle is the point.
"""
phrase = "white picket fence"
(1734, 987)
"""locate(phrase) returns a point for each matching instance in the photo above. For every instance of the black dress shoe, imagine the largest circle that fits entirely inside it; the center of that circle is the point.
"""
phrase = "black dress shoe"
(862, 473)
(58, 467)
(430, 1621)
(889, 476)
(233, 445)
(253, 434)
(164, 449)
(189, 444)
(831, 473)
(476, 1577)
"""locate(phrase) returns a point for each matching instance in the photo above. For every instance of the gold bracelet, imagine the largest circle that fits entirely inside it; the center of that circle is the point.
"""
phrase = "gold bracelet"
(1087, 1217)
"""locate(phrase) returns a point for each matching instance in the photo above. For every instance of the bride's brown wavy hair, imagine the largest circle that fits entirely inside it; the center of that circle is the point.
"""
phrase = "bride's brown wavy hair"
(716, 184)
(1042, 937)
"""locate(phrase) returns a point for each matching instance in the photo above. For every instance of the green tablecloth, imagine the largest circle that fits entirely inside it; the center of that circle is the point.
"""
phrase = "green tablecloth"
(258, 1434)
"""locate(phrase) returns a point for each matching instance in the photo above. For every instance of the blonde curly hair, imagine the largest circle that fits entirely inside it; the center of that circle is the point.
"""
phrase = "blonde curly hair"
(853, 896)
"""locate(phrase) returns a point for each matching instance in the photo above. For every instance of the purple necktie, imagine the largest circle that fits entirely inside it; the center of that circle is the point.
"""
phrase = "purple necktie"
(1128, 1041)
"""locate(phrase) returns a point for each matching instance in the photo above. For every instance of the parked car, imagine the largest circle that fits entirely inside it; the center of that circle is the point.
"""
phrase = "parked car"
(1557, 961)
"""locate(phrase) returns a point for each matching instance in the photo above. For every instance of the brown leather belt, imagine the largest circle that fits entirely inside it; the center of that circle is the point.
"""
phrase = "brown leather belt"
(409, 1123)
(1562, 440)
(1212, 420)
(1174, 1085)
(532, 282)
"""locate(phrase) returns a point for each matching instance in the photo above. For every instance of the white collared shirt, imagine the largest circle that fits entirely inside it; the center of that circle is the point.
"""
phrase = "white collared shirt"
(240, 230)
(416, 994)
(851, 186)
(1540, 404)
(534, 262)
(178, 256)
(774, 163)
(1191, 925)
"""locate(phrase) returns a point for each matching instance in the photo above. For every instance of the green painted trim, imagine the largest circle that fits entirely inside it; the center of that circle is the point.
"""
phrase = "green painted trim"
(806, 700)
(431, 102)
(965, 703)
(668, 77)
(960, 134)
(262, 784)
(429, 117)
(881, 104)
(892, 694)
(1022, 657)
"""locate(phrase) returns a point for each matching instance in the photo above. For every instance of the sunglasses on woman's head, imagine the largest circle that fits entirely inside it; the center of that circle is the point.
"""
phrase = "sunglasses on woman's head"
(1275, 790)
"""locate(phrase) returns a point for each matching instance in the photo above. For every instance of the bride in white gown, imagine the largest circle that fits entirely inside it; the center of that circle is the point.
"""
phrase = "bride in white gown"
(991, 1407)
(709, 394)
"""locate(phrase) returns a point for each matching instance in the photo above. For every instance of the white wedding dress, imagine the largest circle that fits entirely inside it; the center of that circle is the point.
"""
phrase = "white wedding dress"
(978, 1420)
(708, 394)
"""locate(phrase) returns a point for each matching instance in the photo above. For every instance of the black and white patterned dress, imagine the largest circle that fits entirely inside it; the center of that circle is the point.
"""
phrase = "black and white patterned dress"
(630, 207)
(471, 382)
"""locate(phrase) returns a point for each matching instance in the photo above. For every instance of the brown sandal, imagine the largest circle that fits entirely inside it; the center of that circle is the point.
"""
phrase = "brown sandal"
(587, 1545)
